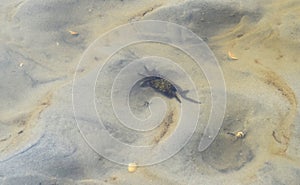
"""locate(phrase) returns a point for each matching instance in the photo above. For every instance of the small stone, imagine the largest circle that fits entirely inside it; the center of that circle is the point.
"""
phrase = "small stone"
(73, 32)
(132, 167)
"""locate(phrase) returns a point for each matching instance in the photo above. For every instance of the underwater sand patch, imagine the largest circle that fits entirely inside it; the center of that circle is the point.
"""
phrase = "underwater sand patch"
(22, 131)
(282, 133)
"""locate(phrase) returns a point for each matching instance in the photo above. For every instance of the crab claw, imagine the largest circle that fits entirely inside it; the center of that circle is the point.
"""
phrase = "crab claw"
(177, 98)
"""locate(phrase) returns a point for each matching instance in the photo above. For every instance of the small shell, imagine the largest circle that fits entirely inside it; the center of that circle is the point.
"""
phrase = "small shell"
(73, 32)
(231, 56)
(240, 134)
(132, 167)
(21, 64)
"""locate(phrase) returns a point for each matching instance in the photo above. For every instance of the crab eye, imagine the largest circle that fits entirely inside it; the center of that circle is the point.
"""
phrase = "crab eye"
(144, 83)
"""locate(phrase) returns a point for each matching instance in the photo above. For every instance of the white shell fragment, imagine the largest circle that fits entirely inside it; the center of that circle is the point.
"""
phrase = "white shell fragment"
(132, 167)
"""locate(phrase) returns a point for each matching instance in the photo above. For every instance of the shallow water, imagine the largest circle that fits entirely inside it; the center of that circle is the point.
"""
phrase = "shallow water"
(39, 139)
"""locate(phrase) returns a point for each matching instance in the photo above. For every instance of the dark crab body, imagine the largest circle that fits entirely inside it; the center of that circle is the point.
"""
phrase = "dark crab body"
(161, 85)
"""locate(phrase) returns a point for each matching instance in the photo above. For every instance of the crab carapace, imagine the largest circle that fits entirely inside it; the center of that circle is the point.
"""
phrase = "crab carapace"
(161, 85)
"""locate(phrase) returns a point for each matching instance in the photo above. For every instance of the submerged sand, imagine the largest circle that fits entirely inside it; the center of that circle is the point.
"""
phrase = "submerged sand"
(39, 139)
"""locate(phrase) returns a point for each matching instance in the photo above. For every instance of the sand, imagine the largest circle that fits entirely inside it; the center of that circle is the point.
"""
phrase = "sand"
(40, 142)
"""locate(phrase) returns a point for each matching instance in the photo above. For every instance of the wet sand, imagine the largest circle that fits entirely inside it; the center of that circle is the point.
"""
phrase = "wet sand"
(39, 139)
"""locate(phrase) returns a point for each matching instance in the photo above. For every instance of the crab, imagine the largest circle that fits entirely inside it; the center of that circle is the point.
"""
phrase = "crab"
(163, 86)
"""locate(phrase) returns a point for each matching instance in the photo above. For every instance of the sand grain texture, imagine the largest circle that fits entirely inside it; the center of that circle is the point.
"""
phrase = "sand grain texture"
(39, 139)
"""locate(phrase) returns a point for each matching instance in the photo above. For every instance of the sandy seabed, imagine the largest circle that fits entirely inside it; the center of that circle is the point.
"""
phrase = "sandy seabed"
(39, 139)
